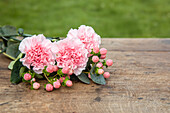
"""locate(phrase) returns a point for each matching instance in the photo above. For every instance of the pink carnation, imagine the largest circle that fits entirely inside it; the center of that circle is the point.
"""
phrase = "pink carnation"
(37, 50)
(87, 36)
(70, 53)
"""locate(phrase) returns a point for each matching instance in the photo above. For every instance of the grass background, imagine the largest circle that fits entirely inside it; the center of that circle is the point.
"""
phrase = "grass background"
(109, 18)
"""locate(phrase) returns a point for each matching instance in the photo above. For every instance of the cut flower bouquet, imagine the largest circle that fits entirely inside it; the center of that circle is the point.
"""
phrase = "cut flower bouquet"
(56, 60)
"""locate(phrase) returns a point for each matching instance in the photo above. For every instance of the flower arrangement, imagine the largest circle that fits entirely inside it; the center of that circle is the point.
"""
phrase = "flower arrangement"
(56, 60)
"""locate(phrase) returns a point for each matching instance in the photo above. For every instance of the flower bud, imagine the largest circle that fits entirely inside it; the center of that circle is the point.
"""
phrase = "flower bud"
(109, 62)
(27, 76)
(36, 85)
(69, 83)
(102, 56)
(103, 51)
(56, 84)
(55, 68)
(99, 65)
(100, 71)
(49, 87)
(106, 75)
(49, 68)
(95, 49)
(95, 59)
(32, 80)
(62, 79)
(65, 70)
(89, 75)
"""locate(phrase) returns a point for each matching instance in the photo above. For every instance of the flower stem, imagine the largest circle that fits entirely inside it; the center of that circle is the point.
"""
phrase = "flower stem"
(47, 78)
(85, 72)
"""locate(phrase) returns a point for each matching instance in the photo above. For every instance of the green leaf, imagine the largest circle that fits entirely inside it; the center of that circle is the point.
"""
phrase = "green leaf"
(10, 66)
(21, 71)
(21, 31)
(83, 77)
(9, 31)
(97, 79)
(15, 77)
(12, 49)
(38, 76)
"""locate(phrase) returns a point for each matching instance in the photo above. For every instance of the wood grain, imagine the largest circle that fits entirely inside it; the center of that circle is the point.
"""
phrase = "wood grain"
(139, 83)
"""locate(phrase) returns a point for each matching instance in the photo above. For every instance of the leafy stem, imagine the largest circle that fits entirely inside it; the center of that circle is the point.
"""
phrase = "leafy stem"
(47, 78)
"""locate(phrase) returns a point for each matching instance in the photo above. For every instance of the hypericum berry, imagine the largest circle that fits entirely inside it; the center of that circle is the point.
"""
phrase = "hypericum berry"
(49, 87)
(95, 59)
(55, 68)
(95, 49)
(89, 75)
(62, 79)
(106, 75)
(49, 68)
(100, 71)
(102, 56)
(65, 70)
(32, 80)
(56, 84)
(27, 76)
(36, 85)
(109, 62)
(99, 65)
(103, 51)
(69, 83)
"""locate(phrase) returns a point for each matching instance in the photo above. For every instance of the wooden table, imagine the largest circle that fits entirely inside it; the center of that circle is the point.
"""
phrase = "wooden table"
(139, 83)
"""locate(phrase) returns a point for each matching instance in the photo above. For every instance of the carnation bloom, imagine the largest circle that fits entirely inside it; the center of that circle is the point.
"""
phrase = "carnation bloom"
(70, 53)
(87, 36)
(37, 50)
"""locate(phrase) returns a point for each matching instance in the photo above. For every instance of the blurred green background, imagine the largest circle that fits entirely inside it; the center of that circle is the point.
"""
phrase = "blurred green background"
(109, 18)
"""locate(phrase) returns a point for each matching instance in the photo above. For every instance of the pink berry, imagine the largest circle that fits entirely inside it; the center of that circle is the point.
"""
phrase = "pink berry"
(55, 68)
(102, 56)
(49, 68)
(89, 75)
(106, 75)
(99, 65)
(49, 87)
(95, 49)
(62, 79)
(103, 51)
(27, 76)
(69, 83)
(109, 62)
(65, 70)
(32, 80)
(100, 71)
(36, 85)
(95, 59)
(57, 84)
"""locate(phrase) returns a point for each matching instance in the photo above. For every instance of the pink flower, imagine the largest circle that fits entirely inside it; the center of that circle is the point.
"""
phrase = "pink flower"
(70, 53)
(36, 85)
(106, 75)
(99, 65)
(57, 84)
(109, 62)
(87, 36)
(55, 68)
(103, 56)
(50, 68)
(100, 71)
(69, 83)
(37, 50)
(62, 79)
(89, 75)
(32, 80)
(95, 49)
(103, 51)
(49, 87)
(65, 70)
(27, 76)
(95, 59)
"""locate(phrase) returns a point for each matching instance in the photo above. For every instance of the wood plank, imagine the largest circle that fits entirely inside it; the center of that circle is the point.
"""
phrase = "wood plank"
(139, 82)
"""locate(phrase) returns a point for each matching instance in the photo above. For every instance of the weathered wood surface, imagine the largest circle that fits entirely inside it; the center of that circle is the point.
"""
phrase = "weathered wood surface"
(139, 83)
